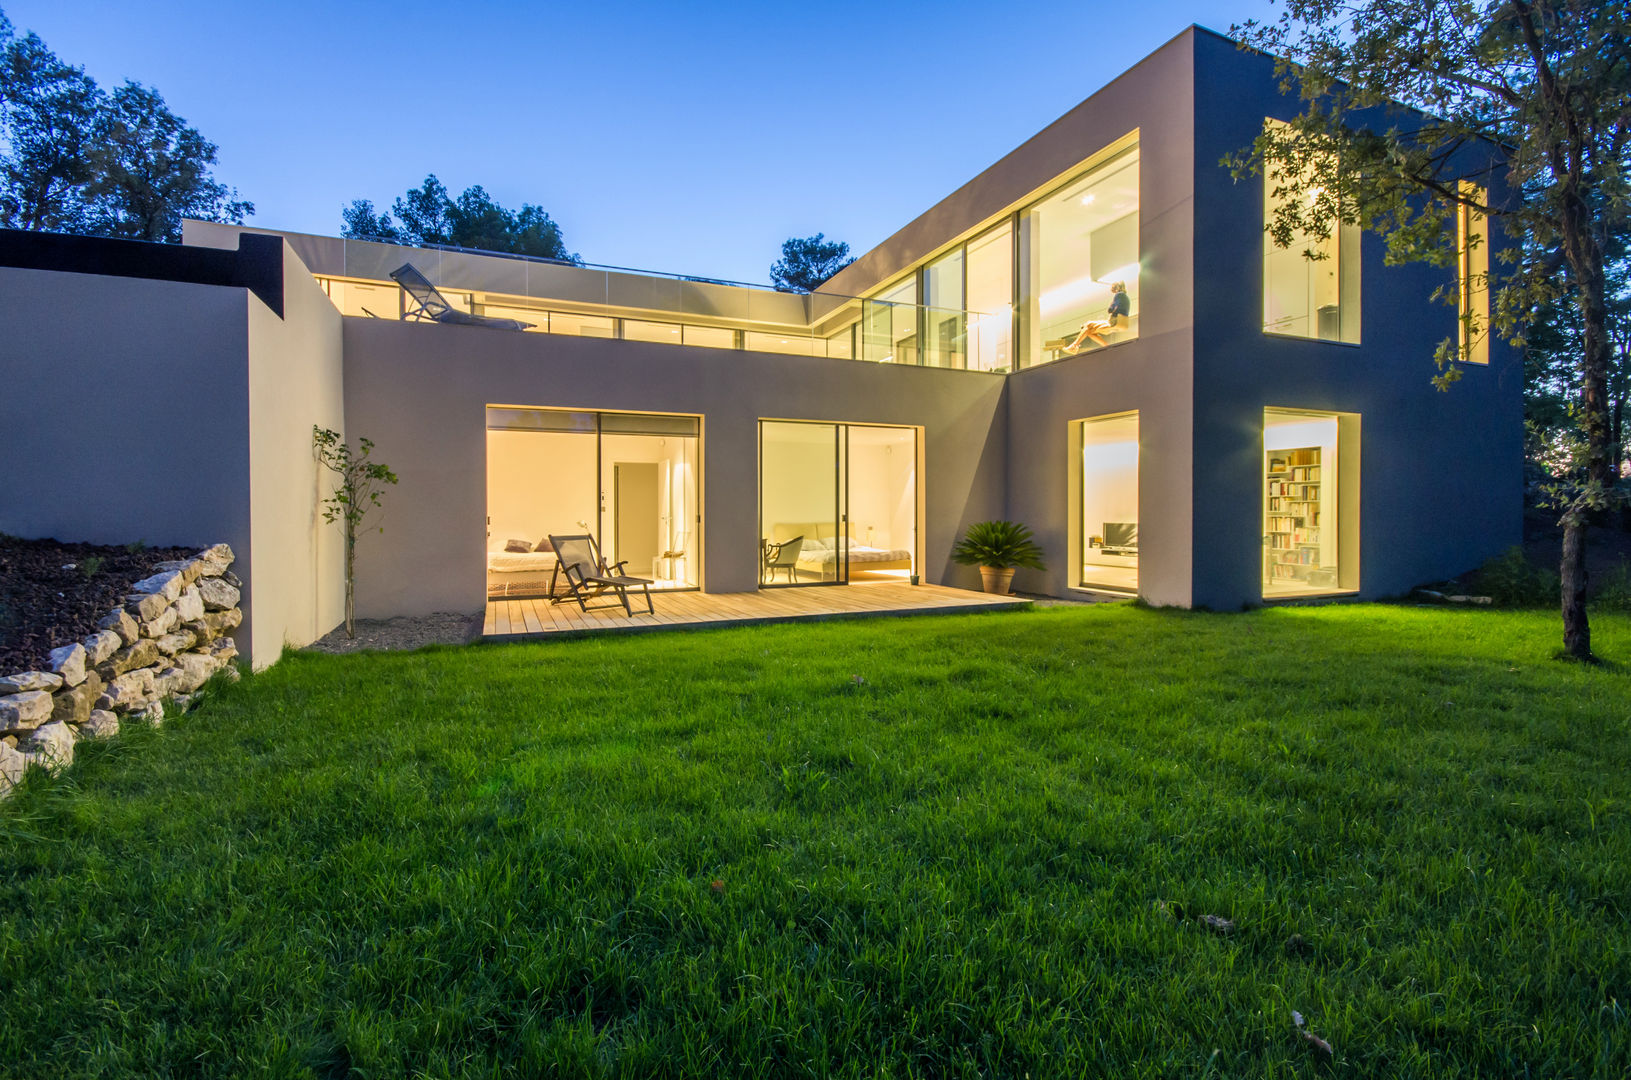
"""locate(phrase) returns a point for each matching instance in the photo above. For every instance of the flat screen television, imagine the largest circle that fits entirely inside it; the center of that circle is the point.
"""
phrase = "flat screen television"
(1121, 538)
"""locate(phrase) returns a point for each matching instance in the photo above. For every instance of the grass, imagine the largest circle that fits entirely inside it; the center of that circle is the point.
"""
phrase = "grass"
(958, 846)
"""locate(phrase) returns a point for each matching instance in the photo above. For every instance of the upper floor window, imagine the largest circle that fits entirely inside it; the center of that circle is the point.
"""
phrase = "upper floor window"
(1311, 286)
(1472, 275)
(1079, 262)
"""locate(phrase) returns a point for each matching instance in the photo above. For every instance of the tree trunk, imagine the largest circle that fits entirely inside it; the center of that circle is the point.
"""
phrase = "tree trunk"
(1585, 258)
(350, 579)
(1576, 626)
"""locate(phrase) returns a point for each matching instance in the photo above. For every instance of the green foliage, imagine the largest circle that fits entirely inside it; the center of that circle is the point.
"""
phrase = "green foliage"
(1412, 113)
(807, 262)
(1511, 580)
(361, 480)
(998, 544)
(91, 565)
(356, 496)
(152, 170)
(136, 547)
(76, 159)
(429, 215)
(991, 859)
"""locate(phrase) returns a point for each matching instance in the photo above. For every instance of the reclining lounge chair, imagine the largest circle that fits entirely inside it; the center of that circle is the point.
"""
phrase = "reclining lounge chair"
(578, 559)
(431, 306)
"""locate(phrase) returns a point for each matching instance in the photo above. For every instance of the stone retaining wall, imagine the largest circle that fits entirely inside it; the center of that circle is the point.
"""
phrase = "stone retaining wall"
(167, 640)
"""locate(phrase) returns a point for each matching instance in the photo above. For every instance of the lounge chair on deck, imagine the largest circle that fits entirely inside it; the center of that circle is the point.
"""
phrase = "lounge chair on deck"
(432, 306)
(577, 558)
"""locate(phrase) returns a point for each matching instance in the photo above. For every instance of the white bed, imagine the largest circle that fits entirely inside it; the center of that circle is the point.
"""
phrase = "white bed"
(513, 573)
(822, 558)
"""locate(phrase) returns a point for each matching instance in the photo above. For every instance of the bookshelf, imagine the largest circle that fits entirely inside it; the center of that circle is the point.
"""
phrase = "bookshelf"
(1294, 515)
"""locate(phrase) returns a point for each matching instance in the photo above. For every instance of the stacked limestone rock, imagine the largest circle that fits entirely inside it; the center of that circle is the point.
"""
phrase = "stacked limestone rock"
(164, 643)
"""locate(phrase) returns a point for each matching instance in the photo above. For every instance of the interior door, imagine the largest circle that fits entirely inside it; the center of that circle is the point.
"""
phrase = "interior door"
(636, 515)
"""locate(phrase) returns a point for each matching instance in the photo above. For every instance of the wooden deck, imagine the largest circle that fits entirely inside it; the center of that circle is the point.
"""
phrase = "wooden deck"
(517, 619)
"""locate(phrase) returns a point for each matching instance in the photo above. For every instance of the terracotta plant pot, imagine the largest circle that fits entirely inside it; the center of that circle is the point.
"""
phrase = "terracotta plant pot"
(997, 579)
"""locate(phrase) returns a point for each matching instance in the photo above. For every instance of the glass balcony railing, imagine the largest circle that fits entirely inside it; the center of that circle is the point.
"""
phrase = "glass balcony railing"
(611, 302)
(723, 317)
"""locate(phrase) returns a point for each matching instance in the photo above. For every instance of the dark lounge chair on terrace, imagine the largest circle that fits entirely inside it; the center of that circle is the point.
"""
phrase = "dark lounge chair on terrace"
(587, 575)
(431, 306)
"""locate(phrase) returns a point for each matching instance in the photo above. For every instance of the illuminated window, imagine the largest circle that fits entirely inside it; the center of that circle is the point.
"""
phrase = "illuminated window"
(991, 299)
(1106, 525)
(1079, 263)
(1311, 287)
(1472, 275)
(368, 299)
(1310, 503)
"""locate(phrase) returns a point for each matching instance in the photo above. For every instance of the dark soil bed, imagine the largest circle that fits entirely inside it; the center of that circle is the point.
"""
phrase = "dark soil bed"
(52, 593)
(403, 632)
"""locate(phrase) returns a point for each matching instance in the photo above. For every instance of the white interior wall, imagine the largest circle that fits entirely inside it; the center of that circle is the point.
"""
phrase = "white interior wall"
(538, 482)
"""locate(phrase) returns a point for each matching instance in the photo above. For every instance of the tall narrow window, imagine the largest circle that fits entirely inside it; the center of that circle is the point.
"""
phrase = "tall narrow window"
(1311, 286)
(1472, 275)
(944, 343)
(1108, 522)
(1310, 503)
(991, 299)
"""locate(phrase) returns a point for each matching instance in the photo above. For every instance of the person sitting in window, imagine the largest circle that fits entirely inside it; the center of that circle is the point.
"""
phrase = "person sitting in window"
(1121, 308)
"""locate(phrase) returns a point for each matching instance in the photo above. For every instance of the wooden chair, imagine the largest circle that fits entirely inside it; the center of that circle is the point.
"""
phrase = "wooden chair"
(577, 559)
(783, 556)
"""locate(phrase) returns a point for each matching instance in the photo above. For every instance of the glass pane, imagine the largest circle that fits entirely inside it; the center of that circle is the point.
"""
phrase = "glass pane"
(842, 344)
(648, 492)
(539, 482)
(944, 344)
(570, 322)
(710, 337)
(1301, 530)
(635, 330)
(540, 420)
(890, 325)
(881, 504)
(538, 319)
(365, 299)
(798, 504)
(991, 299)
(1080, 263)
(1110, 503)
(648, 424)
(796, 344)
(1311, 287)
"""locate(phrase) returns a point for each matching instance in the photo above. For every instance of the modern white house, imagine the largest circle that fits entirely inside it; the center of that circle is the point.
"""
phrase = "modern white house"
(1094, 337)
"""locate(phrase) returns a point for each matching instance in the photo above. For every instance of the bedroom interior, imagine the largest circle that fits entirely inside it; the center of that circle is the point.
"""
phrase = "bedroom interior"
(838, 503)
(628, 479)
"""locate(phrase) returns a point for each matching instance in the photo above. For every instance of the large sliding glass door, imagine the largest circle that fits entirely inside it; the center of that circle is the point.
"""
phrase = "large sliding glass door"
(627, 479)
(838, 503)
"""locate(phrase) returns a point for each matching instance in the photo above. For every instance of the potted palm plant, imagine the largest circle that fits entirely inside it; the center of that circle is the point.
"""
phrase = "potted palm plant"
(997, 548)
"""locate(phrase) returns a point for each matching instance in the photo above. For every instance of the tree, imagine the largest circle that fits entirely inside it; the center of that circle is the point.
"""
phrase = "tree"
(151, 169)
(1402, 106)
(48, 110)
(427, 214)
(75, 159)
(356, 497)
(807, 262)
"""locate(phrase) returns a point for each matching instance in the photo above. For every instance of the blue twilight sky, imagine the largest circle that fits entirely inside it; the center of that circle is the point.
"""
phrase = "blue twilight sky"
(682, 137)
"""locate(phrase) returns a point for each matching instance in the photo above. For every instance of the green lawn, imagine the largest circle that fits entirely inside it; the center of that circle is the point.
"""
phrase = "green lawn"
(959, 846)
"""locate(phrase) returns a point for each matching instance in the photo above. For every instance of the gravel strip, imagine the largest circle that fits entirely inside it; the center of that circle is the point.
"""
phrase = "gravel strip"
(403, 632)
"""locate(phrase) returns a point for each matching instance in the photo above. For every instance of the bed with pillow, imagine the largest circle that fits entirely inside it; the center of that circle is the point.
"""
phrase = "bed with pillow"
(520, 568)
(820, 551)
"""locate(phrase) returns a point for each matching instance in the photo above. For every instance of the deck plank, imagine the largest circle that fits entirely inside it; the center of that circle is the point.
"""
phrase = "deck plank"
(538, 618)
